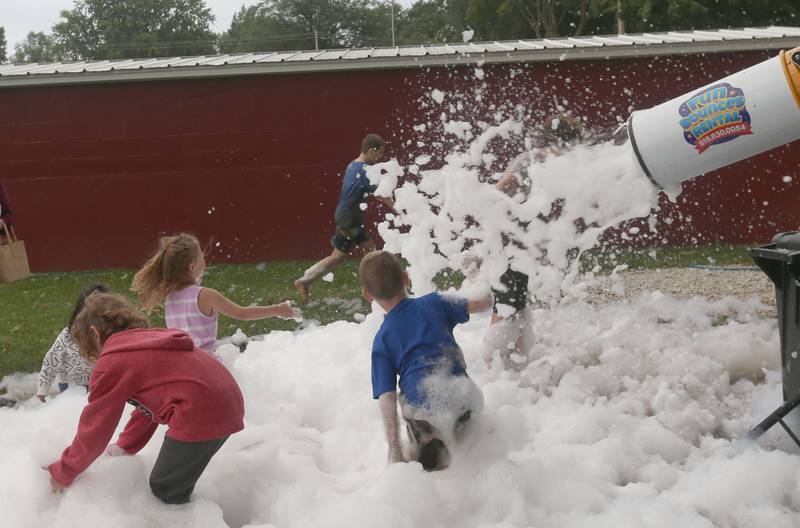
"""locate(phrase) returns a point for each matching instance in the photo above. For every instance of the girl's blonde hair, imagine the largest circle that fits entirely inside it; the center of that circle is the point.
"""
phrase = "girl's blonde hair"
(108, 314)
(167, 270)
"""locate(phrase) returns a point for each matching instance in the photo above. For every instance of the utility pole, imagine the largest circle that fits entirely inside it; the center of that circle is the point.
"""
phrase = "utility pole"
(392, 7)
(620, 20)
(316, 40)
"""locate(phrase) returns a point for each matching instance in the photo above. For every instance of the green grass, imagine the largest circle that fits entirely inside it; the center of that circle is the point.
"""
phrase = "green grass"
(34, 310)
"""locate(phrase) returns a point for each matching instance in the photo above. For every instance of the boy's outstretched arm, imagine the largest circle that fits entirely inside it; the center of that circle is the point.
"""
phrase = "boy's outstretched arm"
(480, 304)
(508, 183)
(388, 404)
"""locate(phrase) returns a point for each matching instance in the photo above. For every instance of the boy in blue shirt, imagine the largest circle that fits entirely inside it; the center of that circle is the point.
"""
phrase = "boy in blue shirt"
(350, 232)
(415, 343)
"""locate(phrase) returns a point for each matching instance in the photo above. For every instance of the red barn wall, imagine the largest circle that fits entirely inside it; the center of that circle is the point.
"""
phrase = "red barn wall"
(96, 172)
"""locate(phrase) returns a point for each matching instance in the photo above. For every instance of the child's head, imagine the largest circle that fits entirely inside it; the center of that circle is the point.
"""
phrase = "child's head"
(372, 148)
(178, 263)
(382, 276)
(94, 288)
(103, 314)
(561, 130)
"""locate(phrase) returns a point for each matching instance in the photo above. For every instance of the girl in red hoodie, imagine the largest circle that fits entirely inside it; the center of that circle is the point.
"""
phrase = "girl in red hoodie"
(167, 379)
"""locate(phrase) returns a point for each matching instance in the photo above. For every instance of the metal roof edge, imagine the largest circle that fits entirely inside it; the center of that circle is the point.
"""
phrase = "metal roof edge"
(401, 62)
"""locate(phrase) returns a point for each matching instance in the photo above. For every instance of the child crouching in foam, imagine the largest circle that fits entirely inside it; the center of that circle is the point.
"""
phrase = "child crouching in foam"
(167, 379)
(63, 362)
(415, 343)
(173, 275)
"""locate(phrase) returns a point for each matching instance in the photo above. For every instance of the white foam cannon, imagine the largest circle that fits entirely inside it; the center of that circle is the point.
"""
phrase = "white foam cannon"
(744, 114)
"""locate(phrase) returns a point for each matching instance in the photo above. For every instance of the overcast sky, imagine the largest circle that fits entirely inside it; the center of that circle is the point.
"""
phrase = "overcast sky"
(21, 16)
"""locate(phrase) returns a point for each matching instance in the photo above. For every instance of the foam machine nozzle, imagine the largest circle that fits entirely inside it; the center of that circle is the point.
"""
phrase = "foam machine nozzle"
(744, 114)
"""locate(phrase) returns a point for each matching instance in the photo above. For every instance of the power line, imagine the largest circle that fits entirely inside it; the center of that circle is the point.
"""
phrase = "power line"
(233, 41)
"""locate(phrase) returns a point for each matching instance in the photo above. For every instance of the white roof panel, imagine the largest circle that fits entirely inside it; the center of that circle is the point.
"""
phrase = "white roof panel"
(548, 43)
(136, 64)
(166, 62)
(583, 47)
(330, 54)
(765, 32)
(611, 41)
(384, 52)
(581, 42)
(723, 34)
(357, 53)
(411, 51)
(788, 31)
(305, 55)
(279, 56)
(444, 49)
(499, 46)
(665, 38)
(641, 39)
(468, 48)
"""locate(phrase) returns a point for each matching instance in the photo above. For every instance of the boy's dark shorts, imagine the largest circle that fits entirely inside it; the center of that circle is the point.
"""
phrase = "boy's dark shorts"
(516, 290)
(349, 234)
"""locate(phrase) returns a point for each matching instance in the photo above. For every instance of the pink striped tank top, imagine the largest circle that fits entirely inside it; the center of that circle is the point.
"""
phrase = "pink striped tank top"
(181, 312)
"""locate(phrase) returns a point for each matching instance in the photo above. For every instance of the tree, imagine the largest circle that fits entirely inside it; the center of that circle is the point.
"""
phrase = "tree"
(430, 21)
(3, 56)
(666, 15)
(37, 47)
(369, 23)
(557, 18)
(309, 24)
(255, 29)
(561, 18)
(444, 21)
(118, 29)
(493, 20)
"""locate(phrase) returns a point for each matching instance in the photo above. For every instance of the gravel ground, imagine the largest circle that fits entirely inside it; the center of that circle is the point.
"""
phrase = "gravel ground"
(684, 283)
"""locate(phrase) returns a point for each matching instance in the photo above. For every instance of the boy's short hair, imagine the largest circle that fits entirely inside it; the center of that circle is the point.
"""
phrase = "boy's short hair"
(372, 141)
(381, 275)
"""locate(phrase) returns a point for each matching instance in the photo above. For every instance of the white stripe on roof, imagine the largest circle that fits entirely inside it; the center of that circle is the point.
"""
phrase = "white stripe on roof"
(260, 63)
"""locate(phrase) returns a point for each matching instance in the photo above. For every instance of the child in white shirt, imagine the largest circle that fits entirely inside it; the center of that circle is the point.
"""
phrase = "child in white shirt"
(63, 362)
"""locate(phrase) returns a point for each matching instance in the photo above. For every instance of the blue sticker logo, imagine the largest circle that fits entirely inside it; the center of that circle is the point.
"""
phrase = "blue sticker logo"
(716, 115)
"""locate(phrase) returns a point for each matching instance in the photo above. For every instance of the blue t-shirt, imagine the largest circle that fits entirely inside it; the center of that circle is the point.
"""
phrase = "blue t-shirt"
(355, 187)
(415, 340)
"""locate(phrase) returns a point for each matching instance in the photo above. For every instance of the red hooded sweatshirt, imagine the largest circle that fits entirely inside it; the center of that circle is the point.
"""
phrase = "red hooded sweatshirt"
(168, 380)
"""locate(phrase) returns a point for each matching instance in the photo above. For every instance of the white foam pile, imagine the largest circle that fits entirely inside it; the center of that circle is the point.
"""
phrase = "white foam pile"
(624, 417)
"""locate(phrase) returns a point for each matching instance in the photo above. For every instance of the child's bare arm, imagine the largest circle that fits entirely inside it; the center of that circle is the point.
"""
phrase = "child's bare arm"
(210, 301)
(480, 304)
(507, 184)
(388, 404)
(388, 202)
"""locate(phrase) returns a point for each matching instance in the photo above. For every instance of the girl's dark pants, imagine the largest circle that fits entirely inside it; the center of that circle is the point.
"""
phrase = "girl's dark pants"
(179, 466)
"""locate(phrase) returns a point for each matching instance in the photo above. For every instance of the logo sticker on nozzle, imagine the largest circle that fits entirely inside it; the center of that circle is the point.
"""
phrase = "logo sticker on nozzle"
(715, 115)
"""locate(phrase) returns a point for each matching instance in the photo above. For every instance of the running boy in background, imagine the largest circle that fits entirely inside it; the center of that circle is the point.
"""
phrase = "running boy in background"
(350, 232)
(63, 362)
(173, 275)
(415, 343)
